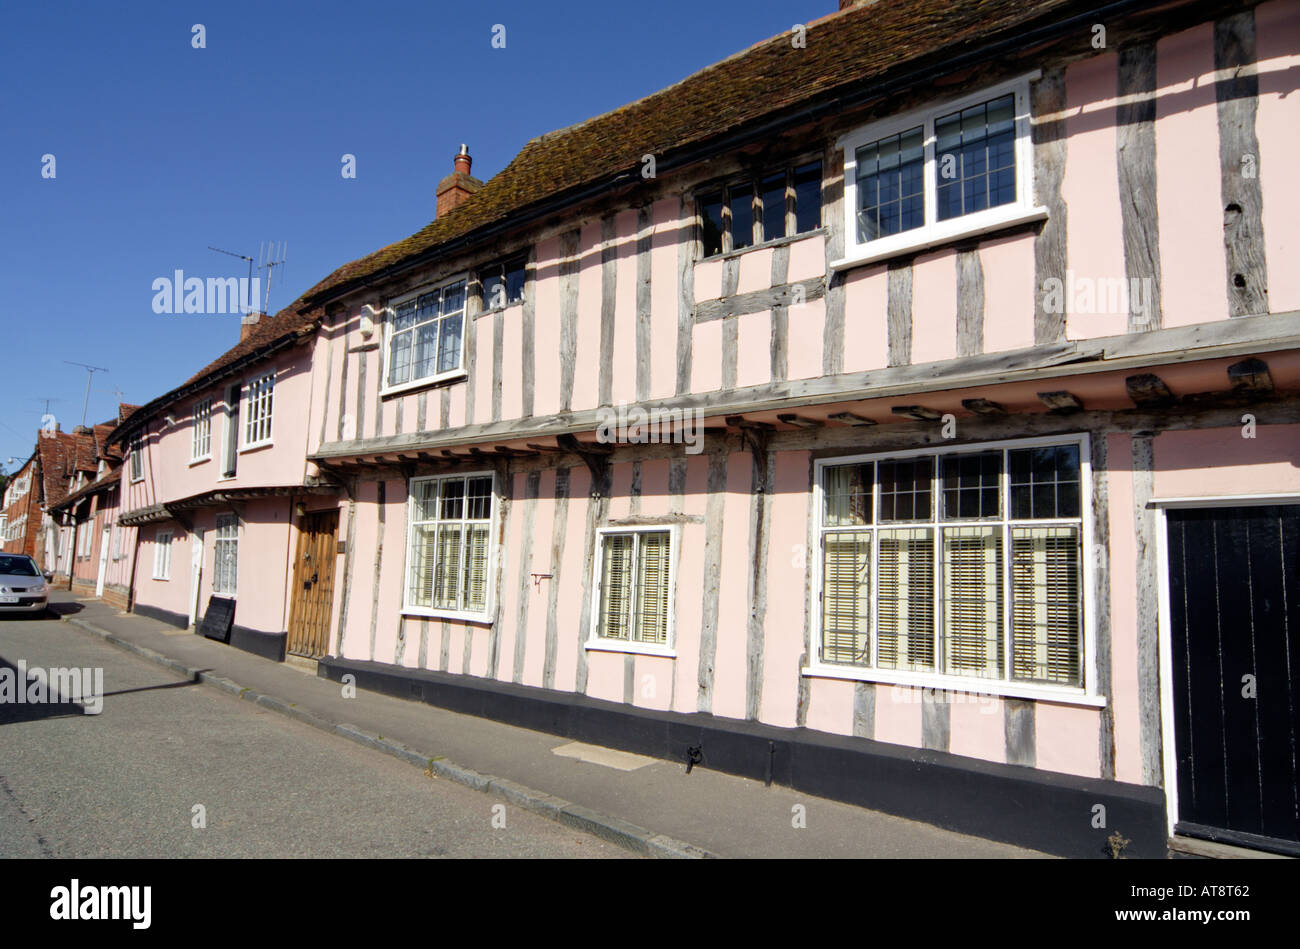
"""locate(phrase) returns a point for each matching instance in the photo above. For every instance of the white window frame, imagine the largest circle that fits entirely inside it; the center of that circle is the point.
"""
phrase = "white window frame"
(935, 232)
(201, 435)
(223, 520)
(595, 642)
(459, 372)
(162, 555)
(136, 449)
(1086, 695)
(494, 553)
(257, 396)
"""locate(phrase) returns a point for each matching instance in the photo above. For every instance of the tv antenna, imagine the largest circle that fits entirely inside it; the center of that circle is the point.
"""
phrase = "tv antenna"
(230, 253)
(90, 374)
(272, 255)
(47, 400)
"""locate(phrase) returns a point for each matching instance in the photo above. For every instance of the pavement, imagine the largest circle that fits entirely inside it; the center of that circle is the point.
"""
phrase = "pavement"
(173, 768)
(645, 805)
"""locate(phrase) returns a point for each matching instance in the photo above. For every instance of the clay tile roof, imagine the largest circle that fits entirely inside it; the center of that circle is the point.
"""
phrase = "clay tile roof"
(57, 455)
(847, 48)
(110, 479)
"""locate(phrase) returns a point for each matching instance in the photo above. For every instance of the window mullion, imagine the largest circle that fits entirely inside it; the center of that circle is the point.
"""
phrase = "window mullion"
(462, 576)
(939, 576)
(634, 588)
(791, 212)
(930, 184)
(874, 580)
(1008, 556)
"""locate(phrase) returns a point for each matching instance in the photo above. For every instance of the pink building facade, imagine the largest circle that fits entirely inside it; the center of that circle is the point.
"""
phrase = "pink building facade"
(884, 437)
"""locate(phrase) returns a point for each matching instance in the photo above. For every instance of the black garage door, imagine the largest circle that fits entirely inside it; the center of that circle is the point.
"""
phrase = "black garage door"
(1234, 583)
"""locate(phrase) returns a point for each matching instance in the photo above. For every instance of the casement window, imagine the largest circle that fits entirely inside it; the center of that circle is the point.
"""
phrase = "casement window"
(137, 458)
(258, 394)
(449, 545)
(960, 169)
(502, 282)
(633, 586)
(960, 564)
(83, 541)
(761, 208)
(162, 555)
(201, 431)
(225, 566)
(117, 543)
(426, 336)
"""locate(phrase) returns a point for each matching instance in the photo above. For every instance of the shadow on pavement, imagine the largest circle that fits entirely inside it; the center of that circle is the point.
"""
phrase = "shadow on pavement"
(12, 711)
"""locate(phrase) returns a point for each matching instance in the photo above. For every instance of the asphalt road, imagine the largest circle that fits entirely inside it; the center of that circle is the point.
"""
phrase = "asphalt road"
(125, 783)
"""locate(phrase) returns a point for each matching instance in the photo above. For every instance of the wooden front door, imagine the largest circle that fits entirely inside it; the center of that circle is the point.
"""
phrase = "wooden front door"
(1234, 592)
(313, 585)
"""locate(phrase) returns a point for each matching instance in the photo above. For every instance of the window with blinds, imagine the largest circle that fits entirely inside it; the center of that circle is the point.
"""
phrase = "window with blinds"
(225, 564)
(634, 587)
(961, 562)
(449, 536)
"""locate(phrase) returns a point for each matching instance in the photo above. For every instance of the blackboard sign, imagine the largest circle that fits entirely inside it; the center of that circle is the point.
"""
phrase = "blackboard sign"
(218, 619)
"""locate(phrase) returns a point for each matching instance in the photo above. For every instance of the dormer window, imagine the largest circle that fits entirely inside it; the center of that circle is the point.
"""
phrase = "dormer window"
(502, 282)
(762, 208)
(959, 169)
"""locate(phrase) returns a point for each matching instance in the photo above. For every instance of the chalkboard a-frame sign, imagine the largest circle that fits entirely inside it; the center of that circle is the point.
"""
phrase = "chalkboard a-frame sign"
(218, 619)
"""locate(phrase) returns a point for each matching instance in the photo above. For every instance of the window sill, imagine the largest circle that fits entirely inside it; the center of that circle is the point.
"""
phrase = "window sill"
(480, 619)
(775, 242)
(1013, 690)
(489, 310)
(256, 446)
(446, 377)
(200, 461)
(639, 649)
(923, 239)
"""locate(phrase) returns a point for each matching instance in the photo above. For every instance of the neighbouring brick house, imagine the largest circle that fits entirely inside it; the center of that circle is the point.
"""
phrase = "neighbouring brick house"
(58, 462)
(95, 557)
(919, 433)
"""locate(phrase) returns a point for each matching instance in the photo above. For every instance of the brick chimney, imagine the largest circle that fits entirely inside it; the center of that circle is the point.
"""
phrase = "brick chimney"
(459, 185)
(248, 324)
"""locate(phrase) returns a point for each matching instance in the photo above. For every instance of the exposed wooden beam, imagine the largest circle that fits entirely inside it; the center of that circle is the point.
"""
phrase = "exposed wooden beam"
(1062, 403)
(984, 407)
(918, 412)
(739, 421)
(1251, 377)
(799, 421)
(571, 443)
(515, 452)
(1146, 388)
(851, 418)
(552, 449)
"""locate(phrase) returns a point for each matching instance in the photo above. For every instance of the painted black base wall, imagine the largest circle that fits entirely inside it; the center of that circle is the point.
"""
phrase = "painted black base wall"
(163, 616)
(266, 645)
(1054, 813)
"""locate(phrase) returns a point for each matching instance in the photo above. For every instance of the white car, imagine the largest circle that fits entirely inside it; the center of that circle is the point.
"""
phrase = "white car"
(22, 586)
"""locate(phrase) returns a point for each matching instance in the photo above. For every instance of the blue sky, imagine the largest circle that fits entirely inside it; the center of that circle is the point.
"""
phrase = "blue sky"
(162, 149)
